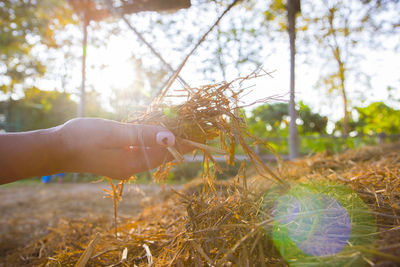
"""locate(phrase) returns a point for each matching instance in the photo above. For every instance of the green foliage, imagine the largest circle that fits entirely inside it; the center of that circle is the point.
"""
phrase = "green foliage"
(271, 120)
(312, 122)
(276, 13)
(351, 126)
(43, 109)
(378, 118)
(24, 25)
(39, 109)
(317, 143)
(373, 119)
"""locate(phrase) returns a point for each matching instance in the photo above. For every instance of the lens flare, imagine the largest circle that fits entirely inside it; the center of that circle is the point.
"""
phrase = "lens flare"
(318, 223)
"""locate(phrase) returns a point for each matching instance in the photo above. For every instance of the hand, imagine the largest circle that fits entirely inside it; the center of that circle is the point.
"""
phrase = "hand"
(117, 150)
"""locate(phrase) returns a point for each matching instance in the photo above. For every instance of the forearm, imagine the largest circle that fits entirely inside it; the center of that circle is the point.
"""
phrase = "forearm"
(28, 154)
(96, 146)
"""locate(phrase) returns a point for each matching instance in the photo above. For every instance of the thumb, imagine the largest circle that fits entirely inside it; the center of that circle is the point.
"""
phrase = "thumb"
(126, 134)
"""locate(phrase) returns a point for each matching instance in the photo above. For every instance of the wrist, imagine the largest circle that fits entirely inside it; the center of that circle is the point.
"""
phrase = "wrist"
(58, 150)
(68, 145)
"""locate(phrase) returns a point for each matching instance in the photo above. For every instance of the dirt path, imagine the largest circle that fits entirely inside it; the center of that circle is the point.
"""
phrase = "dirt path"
(27, 212)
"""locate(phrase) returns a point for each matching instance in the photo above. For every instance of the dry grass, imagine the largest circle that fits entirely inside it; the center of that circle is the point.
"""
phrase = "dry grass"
(208, 113)
(233, 223)
(230, 226)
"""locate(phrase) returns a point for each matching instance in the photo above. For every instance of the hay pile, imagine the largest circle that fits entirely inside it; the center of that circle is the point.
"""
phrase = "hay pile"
(237, 223)
(210, 113)
(231, 226)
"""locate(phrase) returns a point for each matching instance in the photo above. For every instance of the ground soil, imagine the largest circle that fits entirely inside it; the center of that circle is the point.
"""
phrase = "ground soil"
(29, 211)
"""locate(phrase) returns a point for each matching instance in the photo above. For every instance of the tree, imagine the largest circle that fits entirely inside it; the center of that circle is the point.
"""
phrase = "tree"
(269, 120)
(25, 25)
(293, 8)
(311, 122)
(88, 11)
(272, 120)
(335, 33)
(236, 46)
(342, 29)
(38, 110)
(381, 15)
(378, 118)
(274, 13)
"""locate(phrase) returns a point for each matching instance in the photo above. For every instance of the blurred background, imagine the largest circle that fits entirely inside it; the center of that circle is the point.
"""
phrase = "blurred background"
(63, 59)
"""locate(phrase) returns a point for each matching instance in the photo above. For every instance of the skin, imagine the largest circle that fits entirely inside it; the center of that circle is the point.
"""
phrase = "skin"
(98, 146)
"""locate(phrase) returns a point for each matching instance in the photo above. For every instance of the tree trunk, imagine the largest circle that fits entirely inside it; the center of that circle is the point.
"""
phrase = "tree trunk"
(293, 8)
(81, 106)
(345, 131)
(336, 50)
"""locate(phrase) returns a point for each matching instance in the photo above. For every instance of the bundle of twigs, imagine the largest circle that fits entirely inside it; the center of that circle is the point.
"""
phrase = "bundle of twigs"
(208, 113)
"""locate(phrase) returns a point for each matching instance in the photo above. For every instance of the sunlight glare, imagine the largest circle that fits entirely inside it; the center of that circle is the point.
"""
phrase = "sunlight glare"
(114, 66)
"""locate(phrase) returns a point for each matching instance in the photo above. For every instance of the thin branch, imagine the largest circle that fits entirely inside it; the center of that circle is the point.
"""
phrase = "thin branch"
(173, 78)
(141, 38)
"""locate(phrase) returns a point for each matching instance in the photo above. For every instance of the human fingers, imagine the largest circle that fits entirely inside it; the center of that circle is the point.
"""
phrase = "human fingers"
(140, 135)
(127, 163)
(151, 157)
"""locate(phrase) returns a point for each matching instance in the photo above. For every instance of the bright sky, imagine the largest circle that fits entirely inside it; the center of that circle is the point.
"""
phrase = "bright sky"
(382, 66)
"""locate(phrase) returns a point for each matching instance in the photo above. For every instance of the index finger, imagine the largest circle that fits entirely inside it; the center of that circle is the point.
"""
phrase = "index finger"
(141, 135)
